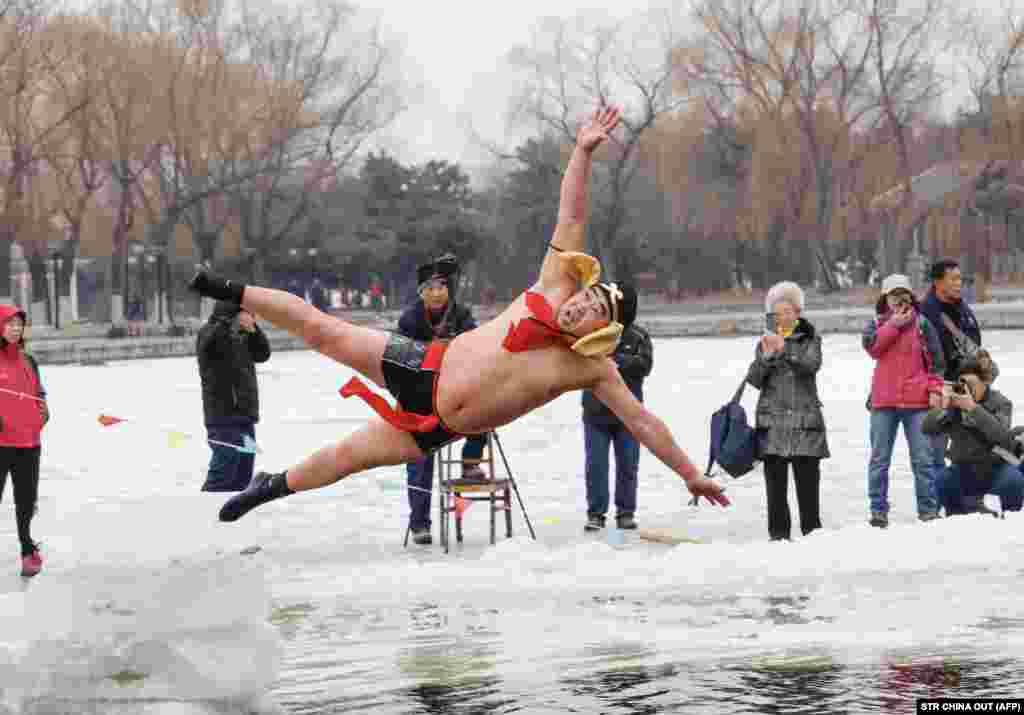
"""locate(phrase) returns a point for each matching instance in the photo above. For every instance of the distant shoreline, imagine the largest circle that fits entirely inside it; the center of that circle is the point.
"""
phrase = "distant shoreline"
(91, 348)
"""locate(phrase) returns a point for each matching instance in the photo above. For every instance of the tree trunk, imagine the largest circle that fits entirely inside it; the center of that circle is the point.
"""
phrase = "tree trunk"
(6, 244)
(65, 275)
(41, 309)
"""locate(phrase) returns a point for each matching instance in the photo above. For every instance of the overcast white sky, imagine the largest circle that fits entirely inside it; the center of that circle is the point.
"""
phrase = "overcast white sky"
(457, 47)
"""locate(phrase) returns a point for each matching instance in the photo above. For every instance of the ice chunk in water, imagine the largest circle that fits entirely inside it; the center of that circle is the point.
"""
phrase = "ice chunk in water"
(188, 631)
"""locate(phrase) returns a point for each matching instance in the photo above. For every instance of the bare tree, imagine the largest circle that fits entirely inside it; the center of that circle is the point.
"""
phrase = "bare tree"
(30, 54)
(343, 98)
(813, 71)
(571, 66)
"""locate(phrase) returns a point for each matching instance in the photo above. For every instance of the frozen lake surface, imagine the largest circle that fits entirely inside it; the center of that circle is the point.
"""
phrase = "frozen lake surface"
(148, 605)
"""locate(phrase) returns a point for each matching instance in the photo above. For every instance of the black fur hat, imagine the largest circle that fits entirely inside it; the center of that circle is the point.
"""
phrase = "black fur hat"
(444, 268)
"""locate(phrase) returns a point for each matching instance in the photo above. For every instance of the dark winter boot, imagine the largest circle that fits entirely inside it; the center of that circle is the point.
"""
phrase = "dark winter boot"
(595, 522)
(625, 520)
(422, 537)
(210, 286)
(264, 487)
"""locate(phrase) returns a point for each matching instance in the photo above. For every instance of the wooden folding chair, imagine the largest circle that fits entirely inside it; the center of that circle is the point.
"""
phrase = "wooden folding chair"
(456, 493)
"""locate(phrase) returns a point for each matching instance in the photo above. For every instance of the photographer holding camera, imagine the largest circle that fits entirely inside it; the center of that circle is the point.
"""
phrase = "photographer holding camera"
(976, 418)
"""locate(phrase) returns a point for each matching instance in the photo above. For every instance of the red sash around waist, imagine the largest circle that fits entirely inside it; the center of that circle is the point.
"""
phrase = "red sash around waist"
(396, 416)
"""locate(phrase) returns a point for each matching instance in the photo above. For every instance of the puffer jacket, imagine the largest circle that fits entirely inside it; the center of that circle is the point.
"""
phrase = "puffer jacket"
(790, 421)
(909, 361)
(226, 358)
(21, 418)
(634, 356)
(973, 434)
(417, 323)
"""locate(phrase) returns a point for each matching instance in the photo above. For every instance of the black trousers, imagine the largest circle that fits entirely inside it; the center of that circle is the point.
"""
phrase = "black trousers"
(807, 476)
(23, 465)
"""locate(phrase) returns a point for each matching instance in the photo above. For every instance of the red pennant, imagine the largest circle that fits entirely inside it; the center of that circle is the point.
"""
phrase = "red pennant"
(107, 420)
(461, 504)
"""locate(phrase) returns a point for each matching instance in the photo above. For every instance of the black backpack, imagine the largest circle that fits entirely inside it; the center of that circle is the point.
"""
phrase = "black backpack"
(733, 441)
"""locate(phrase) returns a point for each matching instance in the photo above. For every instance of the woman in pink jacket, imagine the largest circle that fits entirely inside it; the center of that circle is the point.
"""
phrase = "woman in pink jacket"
(906, 382)
(23, 412)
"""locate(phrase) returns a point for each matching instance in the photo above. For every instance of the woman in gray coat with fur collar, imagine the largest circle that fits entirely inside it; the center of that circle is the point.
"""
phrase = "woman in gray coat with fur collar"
(790, 423)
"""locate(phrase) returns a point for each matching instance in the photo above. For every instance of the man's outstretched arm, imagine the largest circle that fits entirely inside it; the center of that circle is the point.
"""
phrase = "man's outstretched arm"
(574, 199)
(654, 434)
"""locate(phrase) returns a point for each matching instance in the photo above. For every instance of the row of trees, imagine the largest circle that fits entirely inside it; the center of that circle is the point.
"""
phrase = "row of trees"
(143, 119)
(758, 135)
(757, 139)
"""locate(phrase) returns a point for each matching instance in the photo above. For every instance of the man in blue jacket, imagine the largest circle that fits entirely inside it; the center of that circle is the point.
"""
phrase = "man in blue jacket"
(436, 316)
(954, 321)
(635, 358)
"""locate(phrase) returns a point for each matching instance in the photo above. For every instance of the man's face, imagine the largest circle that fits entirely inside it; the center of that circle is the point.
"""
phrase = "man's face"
(14, 329)
(975, 386)
(584, 313)
(949, 286)
(435, 294)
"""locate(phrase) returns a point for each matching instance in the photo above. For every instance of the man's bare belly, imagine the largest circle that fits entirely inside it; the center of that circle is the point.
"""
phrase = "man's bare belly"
(483, 386)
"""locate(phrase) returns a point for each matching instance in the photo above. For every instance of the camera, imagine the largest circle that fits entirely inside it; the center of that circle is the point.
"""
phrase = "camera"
(959, 389)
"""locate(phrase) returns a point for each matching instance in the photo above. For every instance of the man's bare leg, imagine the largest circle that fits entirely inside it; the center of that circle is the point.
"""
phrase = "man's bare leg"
(353, 345)
(357, 347)
(376, 444)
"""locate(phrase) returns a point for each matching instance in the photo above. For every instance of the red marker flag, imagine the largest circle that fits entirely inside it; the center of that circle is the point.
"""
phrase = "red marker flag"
(107, 420)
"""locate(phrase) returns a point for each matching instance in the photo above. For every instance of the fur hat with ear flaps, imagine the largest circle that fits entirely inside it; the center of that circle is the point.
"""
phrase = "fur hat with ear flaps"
(621, 299)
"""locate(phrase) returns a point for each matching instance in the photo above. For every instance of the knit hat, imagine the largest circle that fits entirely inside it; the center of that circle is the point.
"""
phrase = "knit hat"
(896, 281)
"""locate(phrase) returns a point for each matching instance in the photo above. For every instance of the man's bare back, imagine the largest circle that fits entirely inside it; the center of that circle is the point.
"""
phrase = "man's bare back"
(483, 386)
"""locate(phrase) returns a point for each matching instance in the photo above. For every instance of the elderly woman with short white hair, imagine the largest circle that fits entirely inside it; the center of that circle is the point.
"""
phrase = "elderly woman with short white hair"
(790, 423)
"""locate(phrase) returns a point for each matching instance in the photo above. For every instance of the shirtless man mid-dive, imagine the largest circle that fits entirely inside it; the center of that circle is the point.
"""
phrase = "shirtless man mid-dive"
(554, 338)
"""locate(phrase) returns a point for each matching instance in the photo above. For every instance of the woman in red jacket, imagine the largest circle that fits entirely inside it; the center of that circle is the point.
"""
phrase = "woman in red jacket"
(23, 412)
(907, 381)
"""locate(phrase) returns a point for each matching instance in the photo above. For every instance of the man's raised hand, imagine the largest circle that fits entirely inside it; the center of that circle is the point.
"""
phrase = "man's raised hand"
(597, 128)
(709, 489)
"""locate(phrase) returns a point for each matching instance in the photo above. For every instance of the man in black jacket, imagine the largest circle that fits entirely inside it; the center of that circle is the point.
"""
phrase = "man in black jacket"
(227, 348)
(436, 316)
(977, 419)
(635, 359)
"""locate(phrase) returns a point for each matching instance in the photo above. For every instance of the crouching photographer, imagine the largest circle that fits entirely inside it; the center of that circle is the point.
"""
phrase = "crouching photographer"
(983, 450)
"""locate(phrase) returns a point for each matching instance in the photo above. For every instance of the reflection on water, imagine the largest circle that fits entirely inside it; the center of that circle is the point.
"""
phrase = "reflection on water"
(790, 692)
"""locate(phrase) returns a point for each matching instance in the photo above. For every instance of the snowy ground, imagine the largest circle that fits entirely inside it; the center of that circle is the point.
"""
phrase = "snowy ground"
(148, 605)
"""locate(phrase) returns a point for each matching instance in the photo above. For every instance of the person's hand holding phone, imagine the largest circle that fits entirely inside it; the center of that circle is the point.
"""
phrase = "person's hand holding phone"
(772, 344)
(902, 315)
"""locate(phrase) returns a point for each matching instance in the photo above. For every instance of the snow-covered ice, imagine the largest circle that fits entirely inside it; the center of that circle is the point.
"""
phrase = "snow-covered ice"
(148, 605)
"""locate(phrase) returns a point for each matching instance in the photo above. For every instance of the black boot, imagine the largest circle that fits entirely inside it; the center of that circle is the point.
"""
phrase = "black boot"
(207, 284)
(264, 487)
